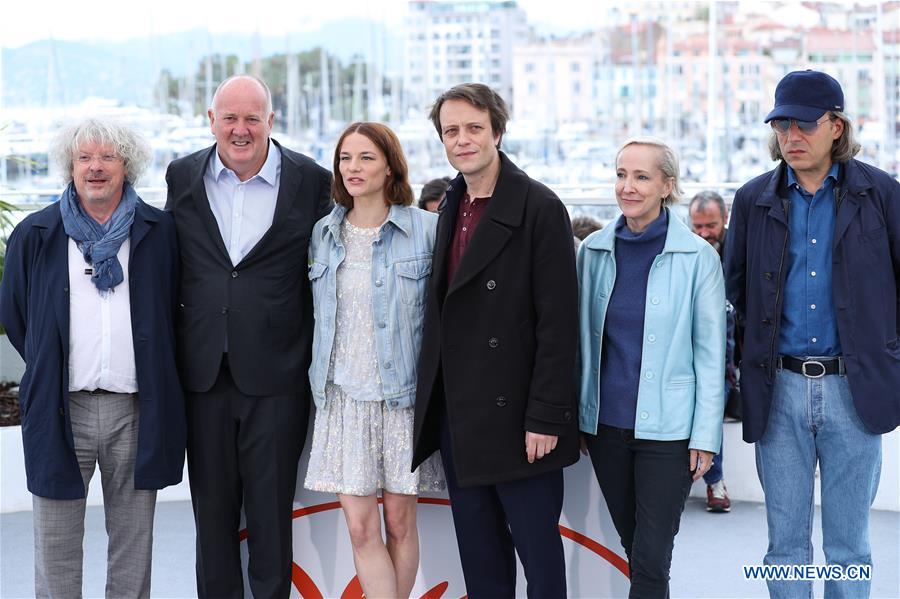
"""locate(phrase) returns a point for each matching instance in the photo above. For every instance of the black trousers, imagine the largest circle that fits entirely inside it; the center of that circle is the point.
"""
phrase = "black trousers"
(645, 484)
(243, 451)
(494, 522)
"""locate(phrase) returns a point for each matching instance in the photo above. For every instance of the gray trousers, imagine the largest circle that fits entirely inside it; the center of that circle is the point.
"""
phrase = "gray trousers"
(105, 429)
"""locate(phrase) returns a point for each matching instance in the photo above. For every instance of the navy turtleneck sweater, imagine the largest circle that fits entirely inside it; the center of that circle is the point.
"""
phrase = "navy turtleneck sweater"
(623, 331)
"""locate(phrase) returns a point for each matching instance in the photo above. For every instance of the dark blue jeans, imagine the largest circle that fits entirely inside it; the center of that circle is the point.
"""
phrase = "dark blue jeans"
(715, 474)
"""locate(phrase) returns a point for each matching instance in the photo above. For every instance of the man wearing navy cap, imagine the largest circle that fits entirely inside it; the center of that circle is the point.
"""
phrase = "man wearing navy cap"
(813, 265)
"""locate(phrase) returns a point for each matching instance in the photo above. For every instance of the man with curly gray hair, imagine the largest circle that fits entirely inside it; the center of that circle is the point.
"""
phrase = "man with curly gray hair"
(88, 299)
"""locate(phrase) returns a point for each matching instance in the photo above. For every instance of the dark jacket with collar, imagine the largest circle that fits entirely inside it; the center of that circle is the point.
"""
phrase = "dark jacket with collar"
(499, 341)
(261, 307)
(34, 308)
(865, 288)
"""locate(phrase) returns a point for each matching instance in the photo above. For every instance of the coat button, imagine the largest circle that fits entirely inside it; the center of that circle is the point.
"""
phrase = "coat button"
(381, 325)
(378, 283)
(234, 274)
(768, 276)
(493, 342)
(491, 285)
(501, 402)
(224, 310)
(567, 416)
(388, 365)
(62, 411)
(766, 322)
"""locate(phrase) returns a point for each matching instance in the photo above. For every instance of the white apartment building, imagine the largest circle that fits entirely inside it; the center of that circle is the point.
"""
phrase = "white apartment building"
(607, 78)
(451, 42)
(554, 80)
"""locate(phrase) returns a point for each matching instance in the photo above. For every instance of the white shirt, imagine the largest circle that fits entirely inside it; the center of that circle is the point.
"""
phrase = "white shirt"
(244, 210)
(101, 350)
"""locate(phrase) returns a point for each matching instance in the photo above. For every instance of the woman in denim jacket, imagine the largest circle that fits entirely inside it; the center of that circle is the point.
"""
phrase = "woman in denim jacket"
(652, 360)
(370, 263)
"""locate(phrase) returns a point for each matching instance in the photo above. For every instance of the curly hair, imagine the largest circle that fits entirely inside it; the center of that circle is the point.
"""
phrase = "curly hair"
(128, 144)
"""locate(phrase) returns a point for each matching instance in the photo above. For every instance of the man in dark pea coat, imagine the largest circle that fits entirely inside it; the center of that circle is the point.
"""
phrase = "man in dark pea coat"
(496, 388)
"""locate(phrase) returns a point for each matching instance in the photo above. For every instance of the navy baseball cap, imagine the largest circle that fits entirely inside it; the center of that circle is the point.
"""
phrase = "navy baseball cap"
(806, 96)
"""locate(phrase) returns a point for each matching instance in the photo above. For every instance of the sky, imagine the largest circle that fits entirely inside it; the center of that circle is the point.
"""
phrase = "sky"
(25, 21)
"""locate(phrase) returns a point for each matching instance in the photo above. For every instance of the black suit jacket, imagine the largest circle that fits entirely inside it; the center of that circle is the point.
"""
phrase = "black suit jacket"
(262, 306)
(499, 340)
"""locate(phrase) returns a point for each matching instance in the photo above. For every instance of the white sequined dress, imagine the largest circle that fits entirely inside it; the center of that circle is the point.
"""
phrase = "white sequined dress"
(360, 445)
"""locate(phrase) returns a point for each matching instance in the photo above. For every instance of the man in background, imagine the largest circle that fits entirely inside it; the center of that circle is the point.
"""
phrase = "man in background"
(708, 217)
(433, 194)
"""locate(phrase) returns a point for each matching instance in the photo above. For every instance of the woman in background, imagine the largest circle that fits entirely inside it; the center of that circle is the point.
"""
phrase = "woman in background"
(652, 359)
(371, 260)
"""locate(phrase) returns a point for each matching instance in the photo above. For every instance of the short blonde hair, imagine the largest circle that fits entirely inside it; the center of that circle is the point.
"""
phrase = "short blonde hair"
(668, 164)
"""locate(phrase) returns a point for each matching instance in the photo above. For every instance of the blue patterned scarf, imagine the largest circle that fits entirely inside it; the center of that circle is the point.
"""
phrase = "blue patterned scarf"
(99, 243)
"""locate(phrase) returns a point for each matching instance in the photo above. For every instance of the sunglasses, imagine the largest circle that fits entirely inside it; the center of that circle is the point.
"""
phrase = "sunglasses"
(784, 125)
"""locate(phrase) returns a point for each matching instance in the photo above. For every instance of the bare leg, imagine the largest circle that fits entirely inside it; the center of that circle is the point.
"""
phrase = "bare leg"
(370, 556)
(402, 539)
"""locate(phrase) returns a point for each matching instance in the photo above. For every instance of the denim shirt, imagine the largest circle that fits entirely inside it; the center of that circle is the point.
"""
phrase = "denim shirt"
(808, 319)
(401, 265)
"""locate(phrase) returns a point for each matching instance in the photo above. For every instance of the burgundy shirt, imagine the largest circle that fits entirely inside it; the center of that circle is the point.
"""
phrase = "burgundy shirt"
(467, 218)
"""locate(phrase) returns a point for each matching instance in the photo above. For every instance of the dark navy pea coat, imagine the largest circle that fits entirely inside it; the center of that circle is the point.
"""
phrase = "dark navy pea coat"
(499, 340)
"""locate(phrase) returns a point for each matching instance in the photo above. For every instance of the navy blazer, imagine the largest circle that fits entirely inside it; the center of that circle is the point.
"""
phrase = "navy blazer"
(865, 288)
(34, 308)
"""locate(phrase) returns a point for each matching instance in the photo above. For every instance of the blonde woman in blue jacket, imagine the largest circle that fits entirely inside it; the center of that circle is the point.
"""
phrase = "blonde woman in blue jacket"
(652, 359)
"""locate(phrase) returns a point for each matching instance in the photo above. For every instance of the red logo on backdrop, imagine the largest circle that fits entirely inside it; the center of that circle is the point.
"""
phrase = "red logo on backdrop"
(309, 590)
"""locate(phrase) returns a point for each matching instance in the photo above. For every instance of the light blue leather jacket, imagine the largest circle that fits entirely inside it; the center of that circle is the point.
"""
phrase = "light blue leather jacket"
(401, 265)
(680, 395)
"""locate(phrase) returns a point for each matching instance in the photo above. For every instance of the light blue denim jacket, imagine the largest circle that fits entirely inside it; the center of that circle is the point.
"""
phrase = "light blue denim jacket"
(401, 265)
(680, 395)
